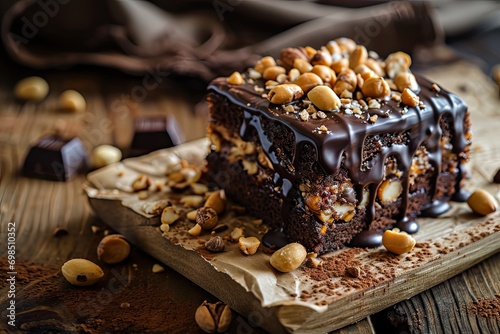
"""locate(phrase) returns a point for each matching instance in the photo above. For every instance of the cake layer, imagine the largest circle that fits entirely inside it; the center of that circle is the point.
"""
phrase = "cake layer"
(323, 176)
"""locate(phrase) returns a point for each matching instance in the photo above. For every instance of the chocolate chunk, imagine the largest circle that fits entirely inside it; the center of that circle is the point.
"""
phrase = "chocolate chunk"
(55, 158)
(496, 178)
(154, 133)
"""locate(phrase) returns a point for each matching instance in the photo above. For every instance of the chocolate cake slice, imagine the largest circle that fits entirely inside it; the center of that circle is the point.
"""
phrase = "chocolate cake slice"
(331, 147)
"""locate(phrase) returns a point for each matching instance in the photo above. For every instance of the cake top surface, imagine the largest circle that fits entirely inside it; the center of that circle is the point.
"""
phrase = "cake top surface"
(335, 97)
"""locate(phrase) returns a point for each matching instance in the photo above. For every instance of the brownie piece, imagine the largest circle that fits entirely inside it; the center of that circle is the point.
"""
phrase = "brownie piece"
(334, 146)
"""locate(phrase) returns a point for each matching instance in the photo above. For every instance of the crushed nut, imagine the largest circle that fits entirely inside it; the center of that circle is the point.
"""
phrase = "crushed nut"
(285, 93)
(169, 215)
(409, 98)
(157, 268)
(249, 245)
(354, 271)
(236, 79)
(237, 233)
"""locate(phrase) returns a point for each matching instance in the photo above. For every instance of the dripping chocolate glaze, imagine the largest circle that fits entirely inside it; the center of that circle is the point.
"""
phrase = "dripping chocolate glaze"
(345, 138)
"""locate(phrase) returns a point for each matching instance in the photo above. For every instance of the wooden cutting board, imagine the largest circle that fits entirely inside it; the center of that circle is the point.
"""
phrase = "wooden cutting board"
(318, 300)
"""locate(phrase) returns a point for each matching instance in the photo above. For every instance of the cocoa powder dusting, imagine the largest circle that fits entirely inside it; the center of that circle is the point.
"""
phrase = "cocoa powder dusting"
(487, 308)
(120, 303)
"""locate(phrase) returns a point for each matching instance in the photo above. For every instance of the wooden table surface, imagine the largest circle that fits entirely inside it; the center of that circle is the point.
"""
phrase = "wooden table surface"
(38, 207)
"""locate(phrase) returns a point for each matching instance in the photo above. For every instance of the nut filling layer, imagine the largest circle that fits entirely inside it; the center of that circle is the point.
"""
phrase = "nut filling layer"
(338, 141)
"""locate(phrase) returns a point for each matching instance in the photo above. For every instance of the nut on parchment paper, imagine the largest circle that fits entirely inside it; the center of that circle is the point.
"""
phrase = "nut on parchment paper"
(215, 244)
(206, 217)
(113, 249)
(249, 245)
(213, 317)
(141, 182)
(289, 257)
(82, 272)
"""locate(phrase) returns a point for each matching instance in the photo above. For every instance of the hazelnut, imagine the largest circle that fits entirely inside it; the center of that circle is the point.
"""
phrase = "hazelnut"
(236, 79)
(82, 272)
(398, 242)
(249, 245)
(213, 317)
(104, 155)
(376, 87)
(285, 93)
(206, 217)
(113, 249)
(288, 56)
(324, 98)
(482, 202)
(72, 100)
(32, 89)
(289, 257)
(215, 244)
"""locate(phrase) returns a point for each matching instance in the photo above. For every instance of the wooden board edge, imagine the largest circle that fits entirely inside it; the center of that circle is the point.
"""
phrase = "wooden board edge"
(373, 300)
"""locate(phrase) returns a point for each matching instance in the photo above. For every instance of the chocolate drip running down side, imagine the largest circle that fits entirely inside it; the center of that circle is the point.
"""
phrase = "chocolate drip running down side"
(344, 141)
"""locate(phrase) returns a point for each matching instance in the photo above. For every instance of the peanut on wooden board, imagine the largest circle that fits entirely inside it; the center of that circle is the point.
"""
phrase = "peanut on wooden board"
(482, 202)
(113, 249)
(398, 242)
(81, 272)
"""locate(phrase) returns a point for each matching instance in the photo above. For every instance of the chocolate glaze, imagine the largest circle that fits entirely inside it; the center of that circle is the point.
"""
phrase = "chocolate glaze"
(274, 239)
(367, 238)
(344, 141)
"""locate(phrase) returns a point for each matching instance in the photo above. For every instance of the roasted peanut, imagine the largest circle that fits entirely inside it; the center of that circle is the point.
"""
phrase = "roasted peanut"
(264, 63)
(322, 57)
(82, 272)
(302, 65)
(346, 45)
(406, 80)
(113, 249)
(376, 87)
(31, 88)
(289, 257)
(272, 72)
(339, 65)
(169, 215)
(104, 155)
(324, 98)
(398, 242)
(409, 98)
(285, 93)
(389, 190)
(236, 79)
(308, 81)
(217, 201)
(325, 73)
(249, 245)
(482, 202)
(72, 100)
(358, 56)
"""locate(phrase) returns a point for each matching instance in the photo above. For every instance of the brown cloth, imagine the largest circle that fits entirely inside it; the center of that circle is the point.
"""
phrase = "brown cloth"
(203, 39)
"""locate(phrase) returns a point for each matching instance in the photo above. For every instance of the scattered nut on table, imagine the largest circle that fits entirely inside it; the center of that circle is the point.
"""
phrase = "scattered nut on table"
(104, 155)
(141, 182)
(289, 257)
(72, 100)
(249, 245)
(113, 249)
(169, 215)
(482, 202)
(213, 317)
(217, 201)
(398, 242)
(82, 272)
(32, 89)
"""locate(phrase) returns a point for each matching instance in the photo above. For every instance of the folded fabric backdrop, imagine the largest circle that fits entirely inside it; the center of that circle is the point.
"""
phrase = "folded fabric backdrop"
(203, 39)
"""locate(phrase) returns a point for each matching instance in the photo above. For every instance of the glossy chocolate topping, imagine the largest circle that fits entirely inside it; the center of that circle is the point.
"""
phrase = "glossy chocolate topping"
(343, 141)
